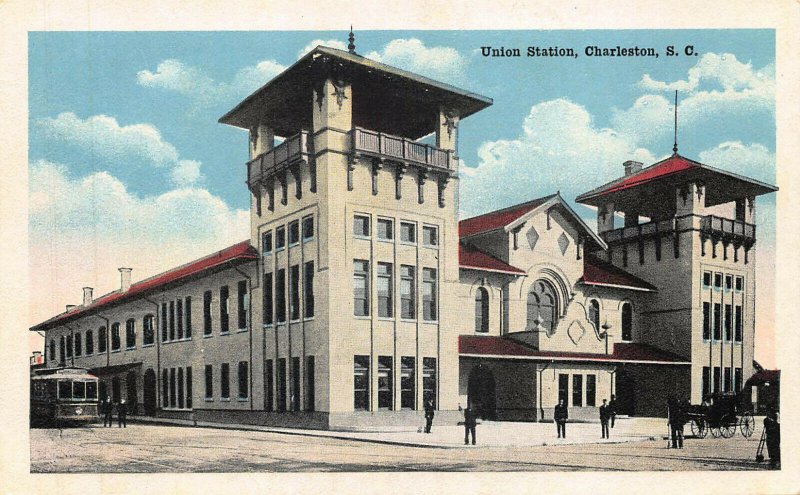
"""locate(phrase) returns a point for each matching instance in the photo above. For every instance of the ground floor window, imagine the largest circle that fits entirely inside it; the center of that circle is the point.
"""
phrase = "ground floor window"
(244, 381)
(429, 379)
(591, 390)
(717, 379)
(577, 390)
(282, 384)
(361, 383)
(385, 382)
(737, 379)
(268, 385)
(563, 387)
(728, 380)
(296, 384)
(225, 381)
(706, 381)
(407, 382)
(209, 382)
(310, 385)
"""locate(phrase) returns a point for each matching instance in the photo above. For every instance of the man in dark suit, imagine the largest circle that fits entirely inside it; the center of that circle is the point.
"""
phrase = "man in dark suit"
(429, 413)
(470, 421)
(560, 415)
(108, 409)
(122, 414)
(605, 414)
(612, 407)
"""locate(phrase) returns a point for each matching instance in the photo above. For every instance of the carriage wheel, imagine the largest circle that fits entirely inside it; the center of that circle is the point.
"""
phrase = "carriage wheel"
(747, 424)
(715, 431)
(727, 426)
(699, 429)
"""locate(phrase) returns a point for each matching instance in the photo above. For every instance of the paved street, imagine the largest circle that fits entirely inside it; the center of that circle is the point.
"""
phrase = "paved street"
(160, 448)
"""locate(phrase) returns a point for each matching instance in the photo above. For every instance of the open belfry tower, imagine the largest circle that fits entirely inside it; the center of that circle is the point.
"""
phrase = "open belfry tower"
(343, 192)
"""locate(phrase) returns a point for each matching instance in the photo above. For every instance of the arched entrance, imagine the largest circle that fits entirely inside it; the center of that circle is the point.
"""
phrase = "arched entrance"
(131, 396)
(149, 392)
(481, 391)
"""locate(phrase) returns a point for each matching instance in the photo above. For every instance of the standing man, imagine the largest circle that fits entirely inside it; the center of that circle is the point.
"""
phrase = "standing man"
(470, 421)
(429, 412)
(122, 414)
(560, 415)
(108, 409)
(772, 427)
(612, 407)
(676, 419)
(605, 414)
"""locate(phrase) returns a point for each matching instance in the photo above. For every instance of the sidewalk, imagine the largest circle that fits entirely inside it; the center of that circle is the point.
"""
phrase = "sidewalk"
(489, 433)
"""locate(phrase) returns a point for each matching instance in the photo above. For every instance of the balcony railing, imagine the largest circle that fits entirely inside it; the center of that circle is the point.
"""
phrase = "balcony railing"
(709, 224)
(292, 150)
(725, 227)
(401, 149)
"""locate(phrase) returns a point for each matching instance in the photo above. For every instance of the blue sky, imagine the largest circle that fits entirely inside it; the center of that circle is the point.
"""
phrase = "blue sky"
(128, 162)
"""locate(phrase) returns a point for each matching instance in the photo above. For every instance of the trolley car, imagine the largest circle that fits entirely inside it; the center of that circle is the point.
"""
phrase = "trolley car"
(724, 413)
(63, 395)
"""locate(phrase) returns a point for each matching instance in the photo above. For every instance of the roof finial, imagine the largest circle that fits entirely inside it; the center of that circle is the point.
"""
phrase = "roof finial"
(675, 145)
(352, 46)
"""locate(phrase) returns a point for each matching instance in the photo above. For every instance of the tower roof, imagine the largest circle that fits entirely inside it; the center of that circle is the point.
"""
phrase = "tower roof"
(385, 98)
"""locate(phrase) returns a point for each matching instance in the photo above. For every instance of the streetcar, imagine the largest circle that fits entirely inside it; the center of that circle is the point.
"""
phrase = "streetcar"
(63, 395)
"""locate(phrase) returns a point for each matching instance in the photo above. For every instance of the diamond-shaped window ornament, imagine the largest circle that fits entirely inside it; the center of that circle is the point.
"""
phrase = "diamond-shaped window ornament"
(563, 243)
(533, 237)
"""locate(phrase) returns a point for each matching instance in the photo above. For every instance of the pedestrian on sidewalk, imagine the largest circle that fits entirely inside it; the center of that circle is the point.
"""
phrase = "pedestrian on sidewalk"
(676, 419)
(560, 416)
(429, 413)
(470, 422)
(604, 417)
(772, 426)
(108, 408)
(122, 414)
(612, 407)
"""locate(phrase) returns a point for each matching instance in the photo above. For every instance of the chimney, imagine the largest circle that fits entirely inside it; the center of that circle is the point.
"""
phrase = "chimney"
(87, 296)
(70, 307)
(631, 167)
(125, 279)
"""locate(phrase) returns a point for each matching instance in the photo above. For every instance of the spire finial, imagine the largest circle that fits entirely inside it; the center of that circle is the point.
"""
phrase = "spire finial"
(352, 46)
(675, 144)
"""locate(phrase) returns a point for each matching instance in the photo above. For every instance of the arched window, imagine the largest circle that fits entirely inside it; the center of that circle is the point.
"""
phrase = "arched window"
(148, 330)
(62, 350)
(542, 304)
(130, 334)
(52, 350)
(89, 342)
(627, 322)
(481, 310)
(594, 314)
(102, 339)
(115, 340)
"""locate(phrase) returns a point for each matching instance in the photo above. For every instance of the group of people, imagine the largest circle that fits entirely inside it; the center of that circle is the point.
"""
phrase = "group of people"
(107, 408)
(608, 415)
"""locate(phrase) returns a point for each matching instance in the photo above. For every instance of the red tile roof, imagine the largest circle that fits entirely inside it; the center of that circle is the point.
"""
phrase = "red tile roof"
(599, 272)
(471, 258)
(504, 347)
(240, 252)
(669, 166)
(498, 219)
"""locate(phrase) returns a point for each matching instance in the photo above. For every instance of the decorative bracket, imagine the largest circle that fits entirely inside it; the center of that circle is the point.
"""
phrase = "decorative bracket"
(450, 123)
(422, 176)
(442, 186)
(351, 166)
(377, 165)
(400, 170)
(339, 92)
(296, 170)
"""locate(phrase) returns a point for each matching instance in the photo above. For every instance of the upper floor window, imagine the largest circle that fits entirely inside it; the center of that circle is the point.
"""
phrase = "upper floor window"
(207, 312)
(717, 321)
(739, 284)
(69, 346)
(360, 287)
(266, 242)
(706, 321)
(430, 235)
(294, 233)
(280, 238)
(224, 316)
(78, 346)
(542, 306)
(706, 279)
(130, 333)
(308, 228)
(407, 292)
(481, 310)
(385, 229)
(242, 304)
(594, 314)
(102, 339)
(52, 350)
(89, 342)
(385, 285)
(408, 232)
(717, 280)
(627, 322)
(294, 292)
(62, 350)
(116, 342)
(148, 330)
(280, 296)
(308, 289)
(429, 294)
(361, 226)
(267, 304)
(728, 282)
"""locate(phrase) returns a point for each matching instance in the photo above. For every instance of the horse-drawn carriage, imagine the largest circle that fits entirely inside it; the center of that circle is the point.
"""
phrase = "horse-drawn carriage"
(721, 413)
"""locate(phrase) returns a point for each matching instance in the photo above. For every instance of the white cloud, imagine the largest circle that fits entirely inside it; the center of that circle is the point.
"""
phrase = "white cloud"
(438, 62)
(751, 160)
(557, 146)
(83, 229)
(187, 173)
(319, 42)
(174, 75)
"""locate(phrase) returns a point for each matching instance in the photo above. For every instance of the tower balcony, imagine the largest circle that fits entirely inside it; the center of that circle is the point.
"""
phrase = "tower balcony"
(292, 151)
(715, 227)
(409, 152)
(727, 229)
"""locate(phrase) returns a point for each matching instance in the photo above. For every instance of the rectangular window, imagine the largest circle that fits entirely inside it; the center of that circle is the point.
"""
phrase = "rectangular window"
(78, 350)
(728, 282)
(224, 381)
(407, 292)
(718, 281)
(294, 292)
(430, 235)
(361, 383)
(280, 238)
(130, 334)
(717, 321)
(172, 320)
(360, 226)
(706, 279)
(280, 296)
(180, 388)
(728, 322)
(269, 397)
(189, 387)
(308, 289)
(429, 294)
(115, 340)
(360, 288)
(242, 303)
(308, 228)
(69, 345)
(148, 332)
(89, 343)
(209, 382)
(737, 379)
(179, 317)
(563, 387)
(706, 381)
(173, 397)
(267, 303)
(385, 382)
(385, 229)
(429, 379)
(207, 312)
(244, 388)
(577, 390)
(706, 321)
(266, 243)
(294, 233)
(164, 328)
(408, 232)
(385, 284)
(224, 316)
(295, 384)
(726, 386)
(591, 390)
(717, 379)
(737, 334)
(739, 284)
(187, 307)
(310, 383)
(282, 384)
(407, 382)
(102, 345)
(164, 388)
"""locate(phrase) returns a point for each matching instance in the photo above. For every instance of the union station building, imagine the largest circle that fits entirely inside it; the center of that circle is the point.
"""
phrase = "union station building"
(360, 294)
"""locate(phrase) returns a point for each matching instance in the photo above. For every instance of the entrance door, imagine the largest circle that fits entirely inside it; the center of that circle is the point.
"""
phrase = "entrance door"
(625, 391)
(481, 392)
(131, 395)
(149, 392)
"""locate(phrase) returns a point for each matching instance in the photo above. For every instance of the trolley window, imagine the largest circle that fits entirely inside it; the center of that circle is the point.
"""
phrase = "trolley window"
(78, 390)
(64, 390)
(91, 390)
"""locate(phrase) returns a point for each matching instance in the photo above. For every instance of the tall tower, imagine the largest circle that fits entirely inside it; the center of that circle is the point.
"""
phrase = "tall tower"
(356, 220)
(689, 230)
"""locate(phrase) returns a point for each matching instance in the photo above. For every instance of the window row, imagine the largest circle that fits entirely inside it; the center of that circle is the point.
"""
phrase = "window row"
(716, 279)
(282, 392)
(576, 397)
(386, 288)
(277, 300)
(273, 242)
(242, 378)
(714, 321)
(176, 388)
(386, 384)
(82, 343)
(176, 320)
(224, 312)
(385, 230)
(722, 380)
